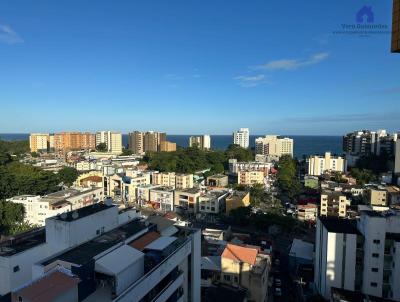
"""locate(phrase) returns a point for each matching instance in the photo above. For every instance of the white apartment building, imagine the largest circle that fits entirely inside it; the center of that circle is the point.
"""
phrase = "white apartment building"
(359, 255)
(318, 165)
(241, 137)
(397, 157)
(202, 142)
(213, 202)
(113, 141)
(119, 257)
(38, 209)
(162, 198)
(274, 146)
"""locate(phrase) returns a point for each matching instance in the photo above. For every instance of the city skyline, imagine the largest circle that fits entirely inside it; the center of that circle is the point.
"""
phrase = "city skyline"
(220, 67)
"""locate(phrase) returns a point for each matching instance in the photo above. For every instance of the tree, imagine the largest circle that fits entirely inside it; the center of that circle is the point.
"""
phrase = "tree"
(67, 175)
(288, 183)
(126, 152)
(362, 176)
(239, 153)
(240, 215)
(257, 194)
(102, 147)
(11, 214)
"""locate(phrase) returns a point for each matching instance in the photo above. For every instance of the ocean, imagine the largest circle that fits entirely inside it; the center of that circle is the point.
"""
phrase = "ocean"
(304, 145)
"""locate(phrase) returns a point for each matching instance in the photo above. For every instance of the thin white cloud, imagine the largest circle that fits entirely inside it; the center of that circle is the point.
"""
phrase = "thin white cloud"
(293, 64)
(250, 81)
(8, 35)
(173, 77)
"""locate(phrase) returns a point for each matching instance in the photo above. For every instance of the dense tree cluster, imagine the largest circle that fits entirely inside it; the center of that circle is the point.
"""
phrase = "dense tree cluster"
(14, 147)
(190, 160)
(12, 218)
(287, 180)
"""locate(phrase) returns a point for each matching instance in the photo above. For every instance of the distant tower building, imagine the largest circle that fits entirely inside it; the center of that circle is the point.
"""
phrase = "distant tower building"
(241, 137)
(202, 142)
(397, 158)
(140, 142)
(39, 142)
(112, 140)
(274, 146)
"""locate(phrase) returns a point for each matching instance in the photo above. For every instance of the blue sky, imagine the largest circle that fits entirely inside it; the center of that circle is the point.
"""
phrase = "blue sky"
(195, 67)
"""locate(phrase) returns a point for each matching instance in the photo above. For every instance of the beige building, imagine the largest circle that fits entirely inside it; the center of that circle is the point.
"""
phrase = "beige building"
(334, 204)
(377, 196)
(250, 178)
(166, 146)
(39, 142)
(218, 180)
(307, 212)
(150, 141)
(274, 146)
(237, 199)
(188, 199)
(112, 140)
(123, 188)
(318, 165)
(172, 179)
(246, 267)
(68, 141)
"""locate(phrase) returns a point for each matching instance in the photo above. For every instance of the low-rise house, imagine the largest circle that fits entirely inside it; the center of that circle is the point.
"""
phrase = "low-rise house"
(393, 195)
(217, 180)
(38, 209)
(377, 196)
(250, 178)
(172, 179)
(237, 199)
(212, 202)
(162, 198)
(188, 199)
(246, 267)
(307, 212)
(333, 204)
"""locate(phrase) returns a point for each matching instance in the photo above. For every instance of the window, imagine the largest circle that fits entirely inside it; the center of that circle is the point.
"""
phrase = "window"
(374, 269)
(20, 299)
(16, 268)
(375, 255)
(227, 278)
(377, 241)
(236, 279)
(374, 284)
(98, 232)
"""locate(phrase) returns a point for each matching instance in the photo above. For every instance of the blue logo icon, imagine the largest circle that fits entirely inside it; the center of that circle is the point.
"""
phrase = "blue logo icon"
(365, 13)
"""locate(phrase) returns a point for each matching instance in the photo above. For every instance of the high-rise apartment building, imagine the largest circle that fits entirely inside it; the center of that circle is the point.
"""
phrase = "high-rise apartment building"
(39, 142)
(397, 157)
(274, 146)
(396, 26)
(241, 137)
(318, 165)
(366, 142)
(150, 141)
(359, 255)
(68, 141)
(202, 142)
(112, 140)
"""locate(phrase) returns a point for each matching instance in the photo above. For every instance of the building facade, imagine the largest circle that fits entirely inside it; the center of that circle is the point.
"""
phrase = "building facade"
(274, 146)
(70, 141)
(250, 178)
(166, 146)
(39, 142)
(112, 140)
(202, 142)
(333, 204)
(396, 27)
(241, 137)
(318, 165)
(150, 141)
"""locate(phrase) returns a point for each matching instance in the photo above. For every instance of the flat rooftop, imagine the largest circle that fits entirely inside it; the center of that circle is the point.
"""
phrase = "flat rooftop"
(22, 242)
(189, 190)
(338, 225)
(86, 251)
(62, 195)
(83, 212)
(218, 176)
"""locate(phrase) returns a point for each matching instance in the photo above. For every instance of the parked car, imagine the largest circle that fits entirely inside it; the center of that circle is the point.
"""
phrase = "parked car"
(278, 291)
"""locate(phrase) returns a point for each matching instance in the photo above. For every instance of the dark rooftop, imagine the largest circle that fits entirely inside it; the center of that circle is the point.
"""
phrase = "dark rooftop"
(223, 293)
(83, 212)
(86, 251)
(338, 225)
(22, 242)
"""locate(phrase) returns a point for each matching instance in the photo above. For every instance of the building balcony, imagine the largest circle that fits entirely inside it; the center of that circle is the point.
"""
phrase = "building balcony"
(170, 289)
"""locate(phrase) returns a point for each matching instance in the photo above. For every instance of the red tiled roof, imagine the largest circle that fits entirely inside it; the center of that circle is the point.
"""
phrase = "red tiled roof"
(240, 254)
(144, 241)
(48, 288)
(92, 178)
